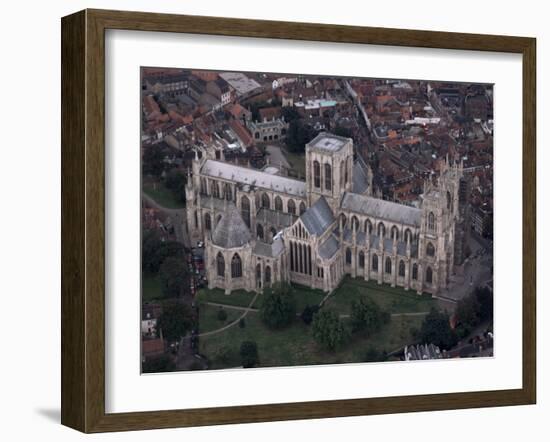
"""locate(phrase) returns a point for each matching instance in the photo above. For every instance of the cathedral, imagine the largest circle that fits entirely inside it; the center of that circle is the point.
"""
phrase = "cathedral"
(260, 228)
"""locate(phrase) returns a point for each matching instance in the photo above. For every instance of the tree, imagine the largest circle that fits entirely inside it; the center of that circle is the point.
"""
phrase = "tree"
(484, 296)
(222, 314)
(374, 355)
(175, 321)
(367, 317)
(175, 181)
(153, 161)
(154, 251)
(328, 330)
(299, 133)
(436, 330)
(157, 365)
(173, 274)
(290, 114)
(279, 306)
(467, 311)
(249, 354)
(308, 312)
(343, 131)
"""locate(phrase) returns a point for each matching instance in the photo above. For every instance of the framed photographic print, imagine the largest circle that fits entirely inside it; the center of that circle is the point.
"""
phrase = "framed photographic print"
(267, 220)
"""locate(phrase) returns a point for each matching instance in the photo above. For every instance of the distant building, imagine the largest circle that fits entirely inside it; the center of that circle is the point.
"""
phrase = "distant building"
(268, 130)
(422, 352)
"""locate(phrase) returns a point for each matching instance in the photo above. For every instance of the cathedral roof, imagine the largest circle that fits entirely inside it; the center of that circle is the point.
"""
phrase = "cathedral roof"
(381, 209)
(252, 177)
(329, 247)
(231, 231)
(318, 217)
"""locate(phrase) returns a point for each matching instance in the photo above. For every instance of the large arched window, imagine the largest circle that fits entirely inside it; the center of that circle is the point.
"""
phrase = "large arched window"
(278, 204)
(265, 201)
(368, 227)
(388, 265)
(348, 256)
(415, 272)
(449, 200)
(401, 268)
(408, 235)
(268, 275)
(227, 191)
(375, 262)
(216, 190)
(429, 275)
(430, 249)
(354, 223)
(258, 274)
(245, 210)
(221, 264)
(328, 177)
(203, 186)
(302, 208)
(316, 174)
(207, 221)
(236, 266)
(260, 231)
(381, 230)
(395, 233)
(273, 233)
(342, 166)
(291, 206)
(343, 220)
(431, 221)
(361, 259)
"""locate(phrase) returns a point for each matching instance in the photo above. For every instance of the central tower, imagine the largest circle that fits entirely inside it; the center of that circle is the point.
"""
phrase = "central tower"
(329, 168)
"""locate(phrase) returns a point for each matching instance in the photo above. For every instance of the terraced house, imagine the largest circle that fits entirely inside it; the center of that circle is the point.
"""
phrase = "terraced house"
(260, 227)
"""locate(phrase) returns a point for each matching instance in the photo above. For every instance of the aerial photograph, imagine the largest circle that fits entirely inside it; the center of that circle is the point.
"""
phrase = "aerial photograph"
(294, 220)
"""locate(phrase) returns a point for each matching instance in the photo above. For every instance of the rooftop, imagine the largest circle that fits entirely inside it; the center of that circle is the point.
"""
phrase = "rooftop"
(318, 217)
(328, 142)
(378, 208)
(231, 231)
(244, 175)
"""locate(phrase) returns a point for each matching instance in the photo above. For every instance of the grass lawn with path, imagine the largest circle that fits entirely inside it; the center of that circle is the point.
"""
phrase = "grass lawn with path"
(294, 345)
(163, 196)
(391, 299)
(239, 298)
(208, 317)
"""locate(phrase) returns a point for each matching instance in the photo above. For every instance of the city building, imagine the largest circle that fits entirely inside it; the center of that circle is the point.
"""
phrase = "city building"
(261, 228)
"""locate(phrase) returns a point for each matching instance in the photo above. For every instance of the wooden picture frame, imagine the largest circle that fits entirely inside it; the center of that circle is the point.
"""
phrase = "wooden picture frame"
(83, 220)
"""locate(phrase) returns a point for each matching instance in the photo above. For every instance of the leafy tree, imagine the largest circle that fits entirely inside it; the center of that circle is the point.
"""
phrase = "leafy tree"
(328, 330)
(308, 312)
(222, 314)
(343, 132)
(173, 274)
(367, 317)
(249, 354)
(299, 133)
(224, 355)
(175, 321)
(290, 114)
(484, 297)
(242, 323)
(154, 251)
(467, 311)
(153, 161)
(279, 306)
(436, 330)
(175, 181)
(158, 365)
(374, 355)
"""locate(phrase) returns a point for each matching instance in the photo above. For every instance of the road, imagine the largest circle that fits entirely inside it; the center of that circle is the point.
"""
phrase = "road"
(179, 219)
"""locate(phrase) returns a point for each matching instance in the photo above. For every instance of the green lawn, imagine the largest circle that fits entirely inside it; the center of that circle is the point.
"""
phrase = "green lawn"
(162, 195)
(151, 288)
(294, 345)
(306, 296)
(240, 298)
(391, 299)
(208, 317)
